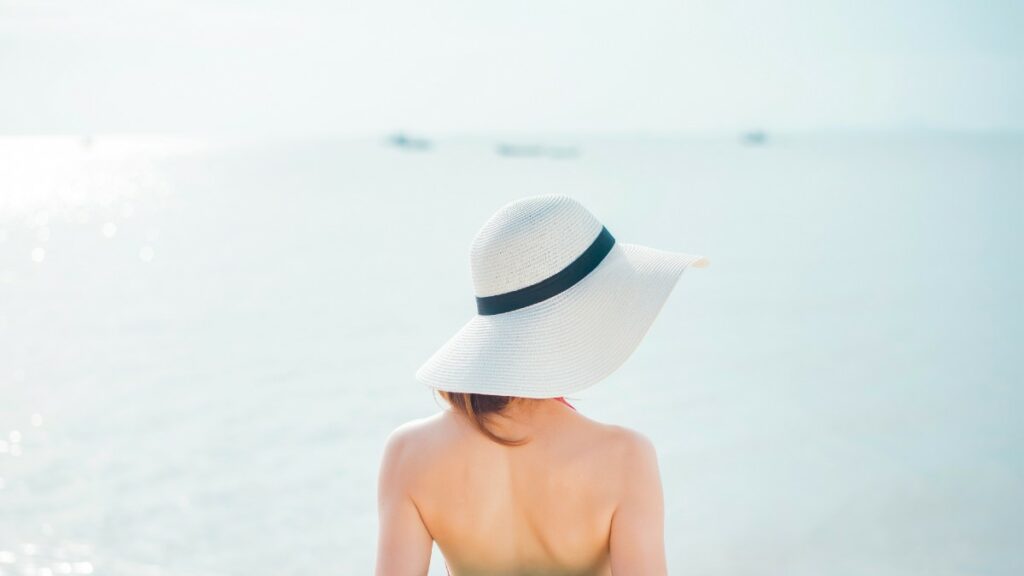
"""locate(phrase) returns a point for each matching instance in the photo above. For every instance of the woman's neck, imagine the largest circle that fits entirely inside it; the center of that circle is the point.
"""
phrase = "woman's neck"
(529, 415)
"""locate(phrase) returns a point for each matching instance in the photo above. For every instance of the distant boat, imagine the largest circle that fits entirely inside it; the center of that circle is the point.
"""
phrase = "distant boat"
(402, 140)
(520, 150)
(536, 150)
(563, 152)
(755, 138)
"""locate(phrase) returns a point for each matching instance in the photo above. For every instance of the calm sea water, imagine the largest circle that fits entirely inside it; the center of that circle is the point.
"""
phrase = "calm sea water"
(203, 345)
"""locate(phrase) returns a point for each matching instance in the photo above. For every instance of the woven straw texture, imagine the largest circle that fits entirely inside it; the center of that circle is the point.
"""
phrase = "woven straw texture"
(565, 343)
(529, 240)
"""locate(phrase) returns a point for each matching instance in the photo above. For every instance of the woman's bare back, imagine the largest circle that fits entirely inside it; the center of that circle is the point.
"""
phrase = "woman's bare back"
(554, 505)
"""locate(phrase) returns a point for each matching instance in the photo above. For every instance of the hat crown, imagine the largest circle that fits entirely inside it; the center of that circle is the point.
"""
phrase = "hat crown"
(529, 240)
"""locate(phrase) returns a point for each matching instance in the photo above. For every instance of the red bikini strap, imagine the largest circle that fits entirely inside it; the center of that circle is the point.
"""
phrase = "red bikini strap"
(563, 401)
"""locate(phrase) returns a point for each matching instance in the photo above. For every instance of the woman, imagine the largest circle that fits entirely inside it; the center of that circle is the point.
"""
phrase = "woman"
(511, 480)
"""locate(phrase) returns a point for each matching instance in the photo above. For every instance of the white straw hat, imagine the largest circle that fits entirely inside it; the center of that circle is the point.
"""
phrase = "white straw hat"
(561, 304)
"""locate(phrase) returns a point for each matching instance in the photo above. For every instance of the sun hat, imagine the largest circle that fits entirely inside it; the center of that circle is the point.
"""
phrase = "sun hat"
(561, 304)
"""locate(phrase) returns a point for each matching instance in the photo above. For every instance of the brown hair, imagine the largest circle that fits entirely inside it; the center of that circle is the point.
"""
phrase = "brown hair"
(480, 408)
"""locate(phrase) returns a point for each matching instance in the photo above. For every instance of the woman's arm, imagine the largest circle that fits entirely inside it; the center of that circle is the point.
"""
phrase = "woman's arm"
(403, 543)
(638, 525)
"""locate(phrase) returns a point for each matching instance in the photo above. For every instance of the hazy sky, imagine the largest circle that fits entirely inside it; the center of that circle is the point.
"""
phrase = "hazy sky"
(477, 65)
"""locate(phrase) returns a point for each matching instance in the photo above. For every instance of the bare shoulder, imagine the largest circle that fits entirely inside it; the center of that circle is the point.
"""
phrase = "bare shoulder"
(634, 481)
(421, 432)
(634, 458)
(415, 441)
(630, 445)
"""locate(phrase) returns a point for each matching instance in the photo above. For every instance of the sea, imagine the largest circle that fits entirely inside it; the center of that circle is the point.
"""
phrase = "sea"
(205, 340)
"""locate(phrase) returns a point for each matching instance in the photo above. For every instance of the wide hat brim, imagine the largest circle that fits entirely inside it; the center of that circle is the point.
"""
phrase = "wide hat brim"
(567, 342)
